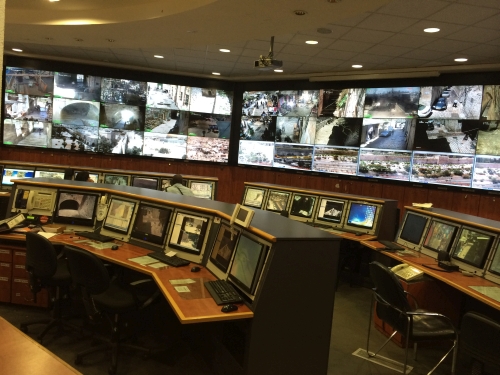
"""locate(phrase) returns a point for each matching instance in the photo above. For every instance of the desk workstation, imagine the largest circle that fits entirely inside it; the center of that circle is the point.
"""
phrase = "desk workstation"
(270, 280)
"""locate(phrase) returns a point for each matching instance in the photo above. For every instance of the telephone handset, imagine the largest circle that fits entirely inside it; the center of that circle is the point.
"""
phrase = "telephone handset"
(22, 199)
(407, 272)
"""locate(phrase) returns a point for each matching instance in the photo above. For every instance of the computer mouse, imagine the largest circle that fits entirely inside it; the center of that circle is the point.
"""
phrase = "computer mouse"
(114, 247)
(229, 308)
(358, 233)
(195, 269)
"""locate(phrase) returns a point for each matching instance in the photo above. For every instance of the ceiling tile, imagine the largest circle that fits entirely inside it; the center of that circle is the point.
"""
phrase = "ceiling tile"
(474, 34)
(364, 58)
(127, 51)
(367, 36)
(292, 57)
(483, 50)
(421, 54)
(324, 61)
(405, 40)
(448, 45)
(219, 56)
(386, 22)
(336, 32)
(483, 3)
(405, 8)
(350, 46)
(189, 53)
(400, 62)
(384, 50)
(461, 14)
(305, 49)
(339, 55)
(351, 21)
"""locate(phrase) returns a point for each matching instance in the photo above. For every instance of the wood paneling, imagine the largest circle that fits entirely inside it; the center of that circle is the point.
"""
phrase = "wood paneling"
(415, 195)
(489, 207)
(353, 187)
(372, 189)
(467, 203)
(283, 178)
(441, 198)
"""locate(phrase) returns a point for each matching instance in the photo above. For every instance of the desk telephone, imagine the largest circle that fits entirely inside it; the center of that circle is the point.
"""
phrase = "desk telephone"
(407, 272)
(33, 199)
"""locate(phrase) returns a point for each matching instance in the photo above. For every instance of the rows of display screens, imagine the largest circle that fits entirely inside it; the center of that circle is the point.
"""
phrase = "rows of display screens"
(333, 212)
(200, 188)
(472, 248)
(237, 255)
(80, 112)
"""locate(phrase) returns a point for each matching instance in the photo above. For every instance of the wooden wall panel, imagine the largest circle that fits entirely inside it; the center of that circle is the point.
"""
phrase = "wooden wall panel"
(372, 189)
(283, 178)
(315, 182)
(489, 207)
(353, 187)
(467, 203)
(415, 195)
(441, 198)
(257, 175)
(334, 185)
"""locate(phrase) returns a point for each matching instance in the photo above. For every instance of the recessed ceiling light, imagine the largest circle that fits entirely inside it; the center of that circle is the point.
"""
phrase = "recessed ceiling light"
(461, 59)
(158, 56)
(17, 50)
(225, 50)
(300, 12)
(311, 42)
(216, 73)
(53, 1)
(357, 66)
(278, 70)
(431, 30)
(110, 40)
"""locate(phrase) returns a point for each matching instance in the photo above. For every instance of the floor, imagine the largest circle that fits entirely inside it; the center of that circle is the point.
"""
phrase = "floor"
(159, 325)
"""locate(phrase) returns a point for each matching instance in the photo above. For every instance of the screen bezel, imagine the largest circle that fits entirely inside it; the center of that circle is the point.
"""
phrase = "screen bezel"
(428, 250)
(75, 221)
(134, 178)
(148, 238)
(329, 222)
(202, 238)
(263, 191)
(313, 209)
(358, 228)
(280, 192)
(108, 227)
(221, 269)
(115, 175)
(208, 183)
(467, 265)
(406, 242)
(7, 167)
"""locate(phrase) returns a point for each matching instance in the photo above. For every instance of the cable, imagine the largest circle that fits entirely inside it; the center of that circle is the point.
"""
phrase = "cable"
(435, 269)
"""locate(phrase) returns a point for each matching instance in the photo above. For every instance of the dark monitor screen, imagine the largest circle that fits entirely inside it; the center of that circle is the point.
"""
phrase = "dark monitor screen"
(413, 228)
(302, 205)
(277, 201)
(247, 264)
(440, 236)
(145, 182)
(119, 215)
(472, 247)
(362, 215)
(10, 173)
(495, 262)
(188, 232)
(151, 223)
(254, 197)
(223, 249)
(76, 208)
(50, 174)
(116, 179)
(331, 210)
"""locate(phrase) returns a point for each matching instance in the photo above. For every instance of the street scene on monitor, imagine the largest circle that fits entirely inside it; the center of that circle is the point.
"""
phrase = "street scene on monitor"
(450, 102)
(335, 131)
(391, 102)
(341, 160)
(444, 169)
(341, 103)
(457, 136)
(29, 81)
(388, 133)
(75, 137)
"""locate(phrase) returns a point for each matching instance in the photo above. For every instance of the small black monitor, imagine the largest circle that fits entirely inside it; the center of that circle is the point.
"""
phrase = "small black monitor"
(116, 179)
(412, 230)
(188, 232)
(145, 182)
(278, 201)
(471, 248)
(76, 208)
(254, 197)
(439, 237)
(151, 224)
(362, 216)
(248, 262)
(302, 206)
(222, 251)
(331, 211)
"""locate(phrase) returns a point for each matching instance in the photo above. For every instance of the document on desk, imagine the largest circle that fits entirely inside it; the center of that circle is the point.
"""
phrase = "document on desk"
(47, 235)
(182, 281)
(489, 291)
(144, 260)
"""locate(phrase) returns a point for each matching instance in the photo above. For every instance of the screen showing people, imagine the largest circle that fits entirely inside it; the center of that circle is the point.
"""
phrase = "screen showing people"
(330, 210)
(188, 233)
(413, 228)
(247, 263)
(76, 208)
(302, 205)
(223, 249)
(119, 215)
(151, 223)
(253, 197)
(440, 236)
(116, 179)
(361, 215)
(472, 247)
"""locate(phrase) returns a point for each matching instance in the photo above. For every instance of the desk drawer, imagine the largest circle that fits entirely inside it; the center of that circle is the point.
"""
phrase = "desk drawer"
(21, 294)
(19, 270)
(5, 288)
(5, 255)
(19, 257)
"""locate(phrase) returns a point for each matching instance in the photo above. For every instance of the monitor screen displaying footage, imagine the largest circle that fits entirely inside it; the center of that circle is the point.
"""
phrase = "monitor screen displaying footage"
(188, 232)
(254, 197)
(50, 174)
(119, 216)
(331, 210)
(10, 174)
(440, 236)
(116, 179)
(202, 189)
(277, 201)
(76, 208)
(151, 223)
(472, 247)
(224, 245)
(302, 205)
(145, 182)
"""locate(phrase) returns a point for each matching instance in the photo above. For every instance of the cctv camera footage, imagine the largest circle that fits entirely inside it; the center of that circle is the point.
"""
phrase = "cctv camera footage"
(341, 103)
(395, 102)
(77, 86)
(160, 145)
(388, 133)
(293, 156)
(333, 131)
(256, 153)
(490, 106)
(443, 169)
(75, 137)
(120, 116)
(75, 112)
(298, 103)
(30, 108)
(26, 133)
(125, 142)
(123, 91)
(456, 136)
(29, 81)
(486, 173)
(330, 159)
(450, 102)
(296, 130)
(394, 165)
(161, 95)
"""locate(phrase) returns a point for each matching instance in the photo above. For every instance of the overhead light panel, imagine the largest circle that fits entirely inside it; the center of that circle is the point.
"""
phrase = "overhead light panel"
(216, 73)
(311, 42)
(278, 70)
(17, 50)
(432, 30)
(357, 66)
(461, 59)
(158, 56)
(225, 50)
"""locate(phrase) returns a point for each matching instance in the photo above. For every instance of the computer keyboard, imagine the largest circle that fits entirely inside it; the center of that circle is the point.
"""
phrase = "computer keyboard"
(319, 225)
(95, 236)
(174, 261)
(222, 292)
(390, 245)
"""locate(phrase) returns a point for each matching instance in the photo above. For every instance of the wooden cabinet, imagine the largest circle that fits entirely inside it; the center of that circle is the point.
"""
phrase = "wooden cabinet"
(20, 290)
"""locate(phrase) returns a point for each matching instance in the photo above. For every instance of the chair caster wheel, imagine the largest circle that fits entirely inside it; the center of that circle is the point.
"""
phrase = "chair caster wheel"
(78, 360)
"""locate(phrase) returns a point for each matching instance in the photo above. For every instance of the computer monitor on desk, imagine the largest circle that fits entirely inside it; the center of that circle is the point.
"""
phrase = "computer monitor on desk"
(145, 182)
(150, 226)
(493, 270)
(254, 197)
(222, 250)
(277, 201)
(412, 231)
(117, 223)
(471, 249)
(439, 237)
(76, 209)
(202, 189)
(116, 179)
(302, 207)
(45, 173)
(363, 217)
(11, 173)
(331, 211)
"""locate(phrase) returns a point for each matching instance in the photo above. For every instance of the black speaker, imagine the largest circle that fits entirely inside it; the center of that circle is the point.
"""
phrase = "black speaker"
(443, 256)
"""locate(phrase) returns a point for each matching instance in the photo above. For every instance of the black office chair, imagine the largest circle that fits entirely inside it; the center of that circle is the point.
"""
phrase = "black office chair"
(102, 294)
(480, 343)
(48, 271)
(416, 325)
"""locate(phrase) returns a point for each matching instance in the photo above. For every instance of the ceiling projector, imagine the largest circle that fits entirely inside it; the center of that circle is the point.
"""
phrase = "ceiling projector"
(268, 62)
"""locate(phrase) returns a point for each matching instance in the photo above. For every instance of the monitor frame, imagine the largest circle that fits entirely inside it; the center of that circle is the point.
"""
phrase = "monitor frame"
(490, 274)
(48, 170)
(272, 191)
(156, 242)
(106, 174)
(427, 250)
(242, 216)
(357, 228)
(78, 223)
(263, 191)
(209, 183)
(17, 169)
(306, 219)
(467, 265)
(133, 179)
(214, 265)
(116, 233)
(338, 225)
(406, 242)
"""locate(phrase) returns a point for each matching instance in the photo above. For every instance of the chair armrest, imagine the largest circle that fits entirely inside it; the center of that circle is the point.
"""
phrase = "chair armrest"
(412, 298)
(437, 315)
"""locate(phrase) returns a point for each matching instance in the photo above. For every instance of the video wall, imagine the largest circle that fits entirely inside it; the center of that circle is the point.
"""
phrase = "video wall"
(447, 135)
(80, 112)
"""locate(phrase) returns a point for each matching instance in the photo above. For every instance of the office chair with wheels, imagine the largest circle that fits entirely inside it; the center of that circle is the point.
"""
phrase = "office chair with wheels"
(480, 343)
(46, 270)
(104, 296)
(390, 302)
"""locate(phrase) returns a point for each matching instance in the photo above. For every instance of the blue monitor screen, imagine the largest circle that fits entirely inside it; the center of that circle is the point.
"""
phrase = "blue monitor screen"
(362, 215)
(13, 173)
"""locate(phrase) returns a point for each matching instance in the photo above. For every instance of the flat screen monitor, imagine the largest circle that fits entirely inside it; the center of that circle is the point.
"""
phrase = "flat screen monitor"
(278, 201)
(202, 189)
(93, 176)
(11, 173)
(49, 174)
(439, 237)
(413, 228)
(145, 182)
(76, 208)
(331, 211)
(119, 215)
(116, 179)
(188, 232)
(471, 248)
(151, 224)
(247, 264)
(224, 245)
(302, 206)
(362, 217)
(254, 197)
(493, 273)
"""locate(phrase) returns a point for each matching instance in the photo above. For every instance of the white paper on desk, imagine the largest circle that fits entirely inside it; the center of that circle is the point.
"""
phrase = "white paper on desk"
(157, 265)
(144, 260)
(46, 234)
(182, 289)
(182, 281)
(101, 245)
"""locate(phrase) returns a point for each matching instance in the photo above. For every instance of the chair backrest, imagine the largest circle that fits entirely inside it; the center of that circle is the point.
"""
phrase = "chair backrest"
(41, 257)
(87, 270)
(480, 338)
(389, 288)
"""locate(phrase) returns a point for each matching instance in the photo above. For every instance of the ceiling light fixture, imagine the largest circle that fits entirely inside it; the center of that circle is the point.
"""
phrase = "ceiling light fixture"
(357, 66)
(225, 50)
(78, 40)
(300, 12)
(311, 42)
(17, 50)
(53, 1)
(431, 30)
(461, 59)
(278, 70)
(216, 73)
(158, 56)
(110, 40)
